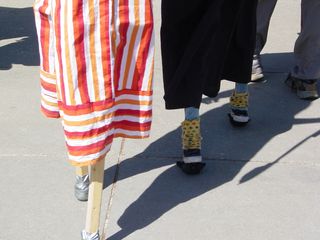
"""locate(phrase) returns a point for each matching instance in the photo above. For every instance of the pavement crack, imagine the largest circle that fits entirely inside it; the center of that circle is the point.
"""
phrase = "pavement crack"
(113, 190)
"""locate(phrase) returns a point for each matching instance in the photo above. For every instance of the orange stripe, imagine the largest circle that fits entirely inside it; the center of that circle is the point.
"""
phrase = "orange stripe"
(122, 135)
(150, 84)
(49, 103)
(113, 34)
(48, 75)
(101, 118)
(136, 129)
(50, 114)
(89, 121)
(48, 86)
(132, 42)
(78, 153)
(134, 102)
(144, 47)
(57, 26)
(79, 49)
(92, 31)
(87, 137)
(123, 29)
(66, 45)
(105, 47)
(133, 92)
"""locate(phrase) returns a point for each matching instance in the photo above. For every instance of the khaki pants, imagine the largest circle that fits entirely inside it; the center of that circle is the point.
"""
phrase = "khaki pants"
(307, 46)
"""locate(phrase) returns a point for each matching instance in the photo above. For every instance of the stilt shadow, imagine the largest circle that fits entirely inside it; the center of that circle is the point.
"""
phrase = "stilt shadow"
(18, 38)
(273, 109)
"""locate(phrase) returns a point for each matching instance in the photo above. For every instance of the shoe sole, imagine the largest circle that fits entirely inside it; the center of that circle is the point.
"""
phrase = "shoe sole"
(81, 196)
(307, 95)
(192, 159)
(191, 168)
(236, 123)
(304, 95)
(257, 78)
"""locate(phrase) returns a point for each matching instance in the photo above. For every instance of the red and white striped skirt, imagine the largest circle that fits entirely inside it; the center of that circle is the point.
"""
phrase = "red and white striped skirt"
(96, 71)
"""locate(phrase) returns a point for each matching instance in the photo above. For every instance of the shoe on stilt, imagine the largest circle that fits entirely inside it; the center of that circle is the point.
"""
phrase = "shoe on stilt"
(191, 143)
(90, 236)
(239, 115)
(81, 188)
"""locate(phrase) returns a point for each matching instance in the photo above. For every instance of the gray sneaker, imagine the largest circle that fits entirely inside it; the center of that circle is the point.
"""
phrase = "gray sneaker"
(90, 236)
(305, 88)
(257, 70)
(81, 187)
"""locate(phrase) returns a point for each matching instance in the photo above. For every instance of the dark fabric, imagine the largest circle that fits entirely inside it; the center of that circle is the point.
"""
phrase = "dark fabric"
(203, 42)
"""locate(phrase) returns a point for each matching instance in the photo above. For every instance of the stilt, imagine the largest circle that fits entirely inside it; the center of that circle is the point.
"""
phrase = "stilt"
(82, 171)
(95, 197)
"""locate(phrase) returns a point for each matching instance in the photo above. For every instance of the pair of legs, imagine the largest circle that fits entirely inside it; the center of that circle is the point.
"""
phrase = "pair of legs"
(306, 70)
(191, 135)
(206, 42)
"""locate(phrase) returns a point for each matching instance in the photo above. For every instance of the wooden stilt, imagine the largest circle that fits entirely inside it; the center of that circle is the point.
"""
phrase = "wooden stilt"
(95, 197)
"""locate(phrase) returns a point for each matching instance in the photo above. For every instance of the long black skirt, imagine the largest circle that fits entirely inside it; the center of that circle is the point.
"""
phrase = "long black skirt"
(203, 42)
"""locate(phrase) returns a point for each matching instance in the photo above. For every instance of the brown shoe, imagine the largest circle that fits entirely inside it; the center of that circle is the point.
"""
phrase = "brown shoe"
(305, 88)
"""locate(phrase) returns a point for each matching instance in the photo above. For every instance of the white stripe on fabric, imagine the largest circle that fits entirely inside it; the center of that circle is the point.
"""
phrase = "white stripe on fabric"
(149, 66)
(86, 158)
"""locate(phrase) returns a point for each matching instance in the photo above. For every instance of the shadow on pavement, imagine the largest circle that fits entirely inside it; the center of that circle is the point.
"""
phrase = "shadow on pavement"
(277, 62)
(273, 109)
(18, 38)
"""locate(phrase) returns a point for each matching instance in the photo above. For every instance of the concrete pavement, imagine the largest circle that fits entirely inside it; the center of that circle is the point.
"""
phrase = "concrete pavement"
(261, 182)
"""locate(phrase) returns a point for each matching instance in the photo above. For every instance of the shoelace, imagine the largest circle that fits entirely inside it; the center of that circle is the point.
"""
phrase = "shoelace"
(191, 138)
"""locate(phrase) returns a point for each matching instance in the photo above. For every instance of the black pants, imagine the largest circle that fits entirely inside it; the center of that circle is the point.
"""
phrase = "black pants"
(203, 42)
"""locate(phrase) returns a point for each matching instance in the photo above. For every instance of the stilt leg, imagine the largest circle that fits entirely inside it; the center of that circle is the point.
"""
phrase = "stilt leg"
(95, 197)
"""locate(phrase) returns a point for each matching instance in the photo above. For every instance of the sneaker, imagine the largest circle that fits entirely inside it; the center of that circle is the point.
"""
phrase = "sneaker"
(191, 144)
(89, 236)
(305, 89)
(81, 188)
(239, 115)
(257, 70)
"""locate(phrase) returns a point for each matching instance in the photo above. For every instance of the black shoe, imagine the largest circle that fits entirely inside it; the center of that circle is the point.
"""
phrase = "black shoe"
(191, 168)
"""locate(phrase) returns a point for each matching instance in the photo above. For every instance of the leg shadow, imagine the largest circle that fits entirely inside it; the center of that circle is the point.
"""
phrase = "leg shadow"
(273, 109)
(18, 38)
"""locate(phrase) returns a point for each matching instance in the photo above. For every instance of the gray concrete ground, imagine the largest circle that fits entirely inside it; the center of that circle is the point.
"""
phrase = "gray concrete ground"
(261, 182)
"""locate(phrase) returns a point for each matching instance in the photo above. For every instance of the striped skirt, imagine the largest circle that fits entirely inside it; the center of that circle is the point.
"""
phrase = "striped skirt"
(96, 71)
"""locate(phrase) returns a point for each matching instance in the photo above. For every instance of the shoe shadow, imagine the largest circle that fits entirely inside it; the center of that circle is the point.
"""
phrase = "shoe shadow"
(18, 38)
(226, 150)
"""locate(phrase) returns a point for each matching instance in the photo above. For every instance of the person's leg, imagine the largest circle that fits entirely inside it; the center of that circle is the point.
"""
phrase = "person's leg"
(191, 142)
(191, 113)
(241, 88)
(264, 12)
(307, 52)
(239, 104)
(239, 61)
